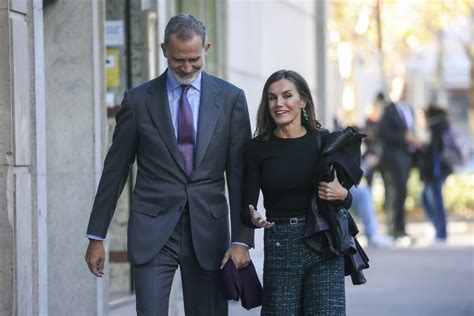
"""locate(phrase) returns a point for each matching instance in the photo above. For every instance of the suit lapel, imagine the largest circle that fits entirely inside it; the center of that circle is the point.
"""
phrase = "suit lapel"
(208, 113)
(158, 107)
(397, 113)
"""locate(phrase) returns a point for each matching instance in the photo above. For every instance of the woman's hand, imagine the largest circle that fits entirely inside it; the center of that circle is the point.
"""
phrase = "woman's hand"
(257, 219)
(332, 191)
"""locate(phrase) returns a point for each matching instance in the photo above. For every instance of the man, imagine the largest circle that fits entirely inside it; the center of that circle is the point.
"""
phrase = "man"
(185, 129)
(396, 132)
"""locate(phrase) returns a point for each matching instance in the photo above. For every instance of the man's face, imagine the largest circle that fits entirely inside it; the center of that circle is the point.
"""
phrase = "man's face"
(186, 59)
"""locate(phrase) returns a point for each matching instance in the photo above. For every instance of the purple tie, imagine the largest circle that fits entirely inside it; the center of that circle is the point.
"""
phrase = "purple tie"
(186, 131)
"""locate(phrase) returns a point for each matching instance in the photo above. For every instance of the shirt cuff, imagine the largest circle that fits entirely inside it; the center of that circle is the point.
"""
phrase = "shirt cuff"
(241, 244)
(347, 203)
(94, 237)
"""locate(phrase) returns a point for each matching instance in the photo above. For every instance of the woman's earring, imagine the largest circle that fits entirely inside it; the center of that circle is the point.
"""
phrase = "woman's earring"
(305, 114)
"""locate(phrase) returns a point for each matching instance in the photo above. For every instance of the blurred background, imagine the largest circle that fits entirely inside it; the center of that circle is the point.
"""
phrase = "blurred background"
(65, 64)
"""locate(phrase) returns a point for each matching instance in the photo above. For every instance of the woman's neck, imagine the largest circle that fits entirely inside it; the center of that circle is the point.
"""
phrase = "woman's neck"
(289, 131)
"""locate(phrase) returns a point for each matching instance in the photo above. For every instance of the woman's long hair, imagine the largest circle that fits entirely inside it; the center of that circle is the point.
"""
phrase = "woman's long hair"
(265, 123)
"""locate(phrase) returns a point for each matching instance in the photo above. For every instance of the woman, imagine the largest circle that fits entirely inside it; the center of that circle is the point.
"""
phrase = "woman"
(280, 161)
(434, 171)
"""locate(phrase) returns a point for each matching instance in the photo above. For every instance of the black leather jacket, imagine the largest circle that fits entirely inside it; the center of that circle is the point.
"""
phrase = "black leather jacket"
(330, 228)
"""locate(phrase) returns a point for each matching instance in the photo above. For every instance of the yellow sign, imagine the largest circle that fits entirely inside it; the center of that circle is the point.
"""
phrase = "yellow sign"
(112, 68)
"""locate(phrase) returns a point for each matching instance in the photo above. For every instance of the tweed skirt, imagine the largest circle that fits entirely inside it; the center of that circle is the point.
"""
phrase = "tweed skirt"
(296, 279)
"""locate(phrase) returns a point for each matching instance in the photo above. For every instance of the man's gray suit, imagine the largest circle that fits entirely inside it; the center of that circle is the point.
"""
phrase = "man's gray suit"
(145, 132)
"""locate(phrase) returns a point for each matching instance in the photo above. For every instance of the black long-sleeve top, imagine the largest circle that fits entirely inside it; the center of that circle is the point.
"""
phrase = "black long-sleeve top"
(284, 170)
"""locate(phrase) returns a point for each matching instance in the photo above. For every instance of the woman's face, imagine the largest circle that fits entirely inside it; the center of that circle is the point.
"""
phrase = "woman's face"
(285, 103)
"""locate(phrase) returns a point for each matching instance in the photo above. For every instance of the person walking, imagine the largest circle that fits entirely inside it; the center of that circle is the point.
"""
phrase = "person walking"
(281, 161)
(371, 143)
(396, 132)
(185, 129)
(364, 205)
(434, 170)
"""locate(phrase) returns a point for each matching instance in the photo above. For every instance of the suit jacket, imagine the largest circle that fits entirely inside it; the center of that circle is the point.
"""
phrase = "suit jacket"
(144, 132)
(391, 131)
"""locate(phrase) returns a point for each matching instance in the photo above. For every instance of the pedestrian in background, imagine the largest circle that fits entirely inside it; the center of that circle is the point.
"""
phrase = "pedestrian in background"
(396, 132)
(362, 201)
(434, 170)
(371, 143)
(186, 129)
(280, 161)
(363, 204)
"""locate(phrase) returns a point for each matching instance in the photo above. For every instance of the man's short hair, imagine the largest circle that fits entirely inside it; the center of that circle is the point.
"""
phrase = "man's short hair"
(185, 26)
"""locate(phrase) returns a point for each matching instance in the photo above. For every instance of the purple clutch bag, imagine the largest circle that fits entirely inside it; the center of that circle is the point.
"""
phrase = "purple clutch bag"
(243, 284)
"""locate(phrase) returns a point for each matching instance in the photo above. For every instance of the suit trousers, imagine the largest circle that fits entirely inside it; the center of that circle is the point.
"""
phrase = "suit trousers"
(153, 280)
(396, 169)
(297, 280)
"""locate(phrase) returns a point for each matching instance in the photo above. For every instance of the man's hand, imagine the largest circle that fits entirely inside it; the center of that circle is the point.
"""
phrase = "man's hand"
(412, 139)
(372, 160)
(95, 257)
(239, 255)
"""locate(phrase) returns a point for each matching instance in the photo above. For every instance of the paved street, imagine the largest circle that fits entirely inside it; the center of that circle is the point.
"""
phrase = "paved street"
(430, 281)
(422, 280)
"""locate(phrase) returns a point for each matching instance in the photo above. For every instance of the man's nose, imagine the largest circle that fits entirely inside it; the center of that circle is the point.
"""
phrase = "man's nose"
(187, 67)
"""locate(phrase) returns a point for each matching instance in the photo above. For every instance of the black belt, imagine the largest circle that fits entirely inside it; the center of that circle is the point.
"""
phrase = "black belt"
(287, 220)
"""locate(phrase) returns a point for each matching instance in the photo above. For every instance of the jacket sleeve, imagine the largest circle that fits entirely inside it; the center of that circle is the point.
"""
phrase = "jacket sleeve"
(120, 157)
(251, 189)
(240, 134)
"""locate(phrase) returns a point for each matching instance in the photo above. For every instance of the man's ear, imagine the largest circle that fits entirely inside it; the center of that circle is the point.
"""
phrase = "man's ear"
(206, 47)
(163, 49)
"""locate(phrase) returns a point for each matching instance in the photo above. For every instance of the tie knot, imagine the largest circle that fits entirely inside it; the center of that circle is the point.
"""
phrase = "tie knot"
(185, 88)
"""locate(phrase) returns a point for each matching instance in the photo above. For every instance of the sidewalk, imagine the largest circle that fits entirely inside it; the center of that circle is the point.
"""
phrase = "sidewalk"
(424, 279)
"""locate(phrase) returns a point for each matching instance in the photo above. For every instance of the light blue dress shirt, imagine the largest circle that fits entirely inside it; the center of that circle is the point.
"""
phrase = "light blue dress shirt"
(174, 90)
(407, 115)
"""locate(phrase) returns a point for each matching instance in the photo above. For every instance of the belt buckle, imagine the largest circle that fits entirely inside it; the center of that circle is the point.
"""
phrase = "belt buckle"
(293, 221)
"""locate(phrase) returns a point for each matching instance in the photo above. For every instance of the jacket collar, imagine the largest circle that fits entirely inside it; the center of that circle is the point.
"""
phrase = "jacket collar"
(210, 105)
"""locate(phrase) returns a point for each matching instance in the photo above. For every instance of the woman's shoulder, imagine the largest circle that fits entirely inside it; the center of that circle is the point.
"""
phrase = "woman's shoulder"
(321, 132)
(252, 145)
(257, 143)
(255, 149)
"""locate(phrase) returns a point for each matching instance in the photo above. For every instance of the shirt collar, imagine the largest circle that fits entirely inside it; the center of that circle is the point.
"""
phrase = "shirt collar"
(402, 105)
(172, 83)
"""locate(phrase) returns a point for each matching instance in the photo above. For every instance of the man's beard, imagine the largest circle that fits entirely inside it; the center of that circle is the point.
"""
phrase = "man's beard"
(186, 80)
